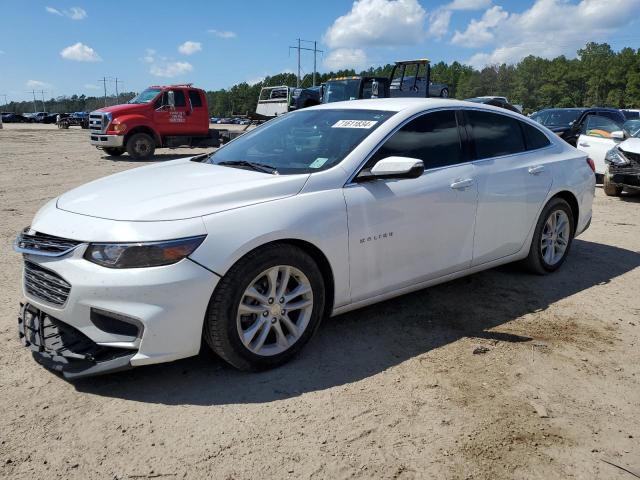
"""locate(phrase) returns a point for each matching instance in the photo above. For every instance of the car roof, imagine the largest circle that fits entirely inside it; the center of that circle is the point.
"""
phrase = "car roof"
(394, 104)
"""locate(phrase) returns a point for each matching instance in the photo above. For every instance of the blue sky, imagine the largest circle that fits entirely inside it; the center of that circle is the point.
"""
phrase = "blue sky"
(65, 47)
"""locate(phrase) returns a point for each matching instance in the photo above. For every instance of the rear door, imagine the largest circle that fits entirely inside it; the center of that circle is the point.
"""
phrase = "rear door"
(168, 120)
(513, 181)
(198, 116)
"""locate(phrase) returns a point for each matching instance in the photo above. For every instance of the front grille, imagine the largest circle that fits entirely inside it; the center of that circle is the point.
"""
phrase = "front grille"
(42, 244)
(97, 123)
(45, 284)
(634, 157)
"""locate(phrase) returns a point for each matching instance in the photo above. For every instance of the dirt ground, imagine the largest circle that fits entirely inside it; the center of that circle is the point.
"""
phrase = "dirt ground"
(390, 391)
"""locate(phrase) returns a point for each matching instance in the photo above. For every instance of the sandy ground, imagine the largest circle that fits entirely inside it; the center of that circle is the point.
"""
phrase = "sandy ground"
(390, 391)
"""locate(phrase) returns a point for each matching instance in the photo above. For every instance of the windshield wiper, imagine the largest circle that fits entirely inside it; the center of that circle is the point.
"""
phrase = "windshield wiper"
(260, 167)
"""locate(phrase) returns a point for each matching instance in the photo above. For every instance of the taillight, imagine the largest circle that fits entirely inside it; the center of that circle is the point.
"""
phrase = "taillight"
(592, 164)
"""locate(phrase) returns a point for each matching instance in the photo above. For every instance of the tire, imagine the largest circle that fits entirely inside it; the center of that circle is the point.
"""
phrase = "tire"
(140, 146)
(537, 262)
(444, 93)
(610, 189)
(113, 151)
(223, 326)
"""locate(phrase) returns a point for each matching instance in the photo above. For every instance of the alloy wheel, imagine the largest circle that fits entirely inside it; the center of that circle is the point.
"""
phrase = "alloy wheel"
(274, 310)
(555, 237)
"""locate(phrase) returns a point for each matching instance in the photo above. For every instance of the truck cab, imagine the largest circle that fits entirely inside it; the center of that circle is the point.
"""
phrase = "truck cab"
(160, 116)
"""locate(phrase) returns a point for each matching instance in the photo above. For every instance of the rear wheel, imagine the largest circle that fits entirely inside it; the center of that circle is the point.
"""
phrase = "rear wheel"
(140, 146)
(113, 151)
(552, 238)
(266, 308)
(610, 189)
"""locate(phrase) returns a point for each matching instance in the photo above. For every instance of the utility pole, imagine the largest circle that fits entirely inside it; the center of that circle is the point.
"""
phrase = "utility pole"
(44, 105)
(35, 109)
(5, 104)
(104, 85)
(315, 54)
(117, 94)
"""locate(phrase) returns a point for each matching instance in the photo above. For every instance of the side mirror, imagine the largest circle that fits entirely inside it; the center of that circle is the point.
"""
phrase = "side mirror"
(374, 89)
(617, 135)
(171, 99)
(393, 167)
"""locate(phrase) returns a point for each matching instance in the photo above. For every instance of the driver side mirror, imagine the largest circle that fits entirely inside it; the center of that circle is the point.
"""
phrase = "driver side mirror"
(171, 99)
(617, 135)
(393, 168)
(375, 88)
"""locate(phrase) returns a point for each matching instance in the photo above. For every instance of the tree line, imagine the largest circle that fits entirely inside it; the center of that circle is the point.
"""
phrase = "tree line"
(598, 76)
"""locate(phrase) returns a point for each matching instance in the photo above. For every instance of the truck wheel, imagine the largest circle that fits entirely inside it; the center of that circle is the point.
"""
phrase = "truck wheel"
(444, 93)
(113, 151)
(610, 190)
(140, 146)
(266, 308)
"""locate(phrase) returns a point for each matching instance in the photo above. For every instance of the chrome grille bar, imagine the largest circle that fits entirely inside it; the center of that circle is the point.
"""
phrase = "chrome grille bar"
(45, 284)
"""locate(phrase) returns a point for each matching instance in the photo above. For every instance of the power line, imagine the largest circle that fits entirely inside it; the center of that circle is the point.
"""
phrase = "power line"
(315, 51)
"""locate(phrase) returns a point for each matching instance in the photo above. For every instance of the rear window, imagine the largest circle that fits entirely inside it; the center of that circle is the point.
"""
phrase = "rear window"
(495, 135)
(194, 96)
(533, 138)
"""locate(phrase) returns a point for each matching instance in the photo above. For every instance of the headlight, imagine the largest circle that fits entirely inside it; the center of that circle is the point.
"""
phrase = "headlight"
(614, 157)
(144, 254)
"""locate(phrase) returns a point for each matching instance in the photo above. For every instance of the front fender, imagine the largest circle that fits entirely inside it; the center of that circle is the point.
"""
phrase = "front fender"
(132, 121)
(318, 218)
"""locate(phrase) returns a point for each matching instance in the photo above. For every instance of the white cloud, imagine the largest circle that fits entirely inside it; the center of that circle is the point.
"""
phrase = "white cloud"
(53, 11)
(468, 4)
(170, 69)
(340, 58)
(189, 47)
(80, 52)
(481, 32)
(37, 84)
(74, 13)
(378, 22)
(440, 18)
(548, 29)
(91, 86)
(149, 56)
(222, 33)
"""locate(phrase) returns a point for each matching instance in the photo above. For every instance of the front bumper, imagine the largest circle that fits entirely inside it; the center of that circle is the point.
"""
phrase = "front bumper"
(165, 306)
(109, 141)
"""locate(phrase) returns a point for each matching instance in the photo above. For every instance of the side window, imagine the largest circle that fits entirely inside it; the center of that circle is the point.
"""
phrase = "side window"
(598, 126)
(194, 97)
(495, 135)
(178, 96)
(432, 138)
(533, 138)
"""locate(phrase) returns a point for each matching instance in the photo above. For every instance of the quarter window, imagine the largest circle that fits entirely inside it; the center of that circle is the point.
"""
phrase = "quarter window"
(533, 138)
(495, 135)
(432, 138)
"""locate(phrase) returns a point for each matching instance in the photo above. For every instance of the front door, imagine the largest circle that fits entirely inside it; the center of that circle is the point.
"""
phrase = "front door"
(402, 232)
(595, 139)
(168, 120)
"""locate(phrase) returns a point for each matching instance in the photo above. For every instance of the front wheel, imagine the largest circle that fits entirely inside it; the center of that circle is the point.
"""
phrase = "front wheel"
(552, 238)
(266, 308)
(610, 189)
(140, 146)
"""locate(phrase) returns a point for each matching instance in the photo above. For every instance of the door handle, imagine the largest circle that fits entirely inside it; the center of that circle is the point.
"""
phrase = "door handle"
(462, 184)
(536, 170)
(584, 144)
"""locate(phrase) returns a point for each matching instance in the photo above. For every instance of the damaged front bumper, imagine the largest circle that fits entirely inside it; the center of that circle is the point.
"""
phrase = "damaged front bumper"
(65, 349)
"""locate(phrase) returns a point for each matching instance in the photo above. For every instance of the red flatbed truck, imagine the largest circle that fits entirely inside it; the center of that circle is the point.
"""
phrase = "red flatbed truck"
(168, 116)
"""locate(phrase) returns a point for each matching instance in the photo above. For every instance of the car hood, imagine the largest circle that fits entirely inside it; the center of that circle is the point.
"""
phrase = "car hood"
(631, 145)
(177, 190)
(125, 108)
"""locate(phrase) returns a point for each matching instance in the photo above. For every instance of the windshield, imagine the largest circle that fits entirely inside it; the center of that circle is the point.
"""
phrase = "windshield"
(340, 90)
(146, 96)
(632, 127)
(556, 117)
(303, 142)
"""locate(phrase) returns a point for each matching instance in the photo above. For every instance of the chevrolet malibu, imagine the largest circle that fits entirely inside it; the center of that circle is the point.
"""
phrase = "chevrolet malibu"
(313, 214)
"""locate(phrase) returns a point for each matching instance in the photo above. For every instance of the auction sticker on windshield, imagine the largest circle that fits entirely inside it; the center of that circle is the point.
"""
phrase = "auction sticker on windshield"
(354, 124)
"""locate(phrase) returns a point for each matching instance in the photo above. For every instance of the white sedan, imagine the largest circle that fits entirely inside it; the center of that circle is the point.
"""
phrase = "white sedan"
(313, 214)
